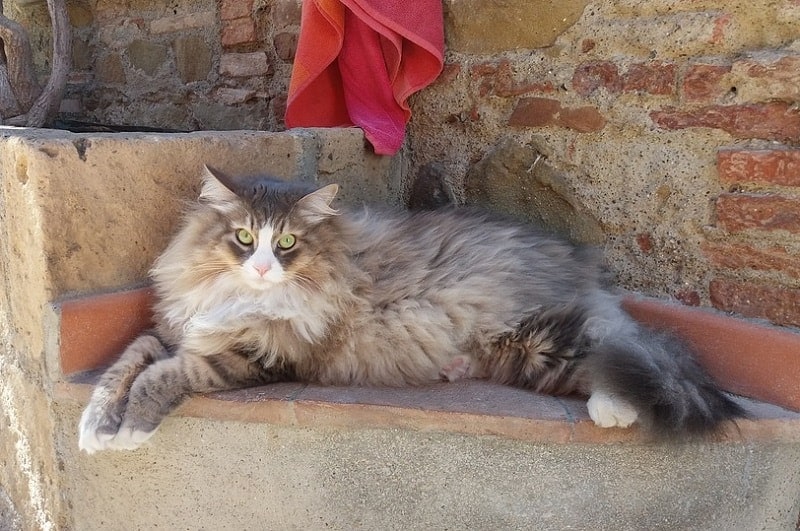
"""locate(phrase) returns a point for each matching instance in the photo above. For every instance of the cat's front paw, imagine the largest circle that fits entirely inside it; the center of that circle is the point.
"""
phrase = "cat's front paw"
(100, 421)
(104, 425)
(609, 412)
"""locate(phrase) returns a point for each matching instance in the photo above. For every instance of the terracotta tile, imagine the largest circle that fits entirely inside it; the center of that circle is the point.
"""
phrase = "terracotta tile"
(761, 362)
(95, 329)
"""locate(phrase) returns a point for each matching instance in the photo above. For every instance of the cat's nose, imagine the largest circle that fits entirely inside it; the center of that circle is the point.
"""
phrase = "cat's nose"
(262, 269)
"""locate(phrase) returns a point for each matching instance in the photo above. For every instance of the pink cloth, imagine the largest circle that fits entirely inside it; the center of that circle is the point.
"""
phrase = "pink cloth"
(358, 61)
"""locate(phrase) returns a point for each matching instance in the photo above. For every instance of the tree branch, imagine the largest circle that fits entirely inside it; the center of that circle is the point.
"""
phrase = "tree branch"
(45, 104)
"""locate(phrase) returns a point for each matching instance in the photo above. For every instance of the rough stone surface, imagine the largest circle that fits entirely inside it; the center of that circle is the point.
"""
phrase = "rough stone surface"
(192, 58)
(516, 179)
(390, 479)
(475, 26)
(147, 56)
(89, 213)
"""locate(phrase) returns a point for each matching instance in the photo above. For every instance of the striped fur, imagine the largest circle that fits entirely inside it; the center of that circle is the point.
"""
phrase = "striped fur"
(385, 298)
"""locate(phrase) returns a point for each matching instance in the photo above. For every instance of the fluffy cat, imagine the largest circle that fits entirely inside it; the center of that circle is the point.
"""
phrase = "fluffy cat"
(265, 281)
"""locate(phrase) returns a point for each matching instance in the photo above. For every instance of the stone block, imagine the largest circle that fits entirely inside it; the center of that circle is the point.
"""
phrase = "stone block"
(186, 21)
(243, 64)
(514, 179)
(476, 26)
(192, 58)
(147, 56)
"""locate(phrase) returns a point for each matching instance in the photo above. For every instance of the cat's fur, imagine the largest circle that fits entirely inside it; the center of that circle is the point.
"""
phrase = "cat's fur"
(386, 299)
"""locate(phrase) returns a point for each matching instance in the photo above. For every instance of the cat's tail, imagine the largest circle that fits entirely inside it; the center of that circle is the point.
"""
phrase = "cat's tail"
(656, 375)
(631, 373)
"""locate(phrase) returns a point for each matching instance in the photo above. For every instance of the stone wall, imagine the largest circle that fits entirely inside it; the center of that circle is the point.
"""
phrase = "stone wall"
(665, 130)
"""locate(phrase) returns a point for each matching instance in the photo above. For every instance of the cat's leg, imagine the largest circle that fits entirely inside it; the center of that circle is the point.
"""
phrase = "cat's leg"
(165, 384)
(102, 417)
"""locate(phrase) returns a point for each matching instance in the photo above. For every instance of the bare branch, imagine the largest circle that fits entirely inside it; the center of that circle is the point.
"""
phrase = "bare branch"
(44, 103)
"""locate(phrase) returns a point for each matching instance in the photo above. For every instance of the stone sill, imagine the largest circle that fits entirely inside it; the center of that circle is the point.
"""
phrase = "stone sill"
(468, 407)
(94, 329)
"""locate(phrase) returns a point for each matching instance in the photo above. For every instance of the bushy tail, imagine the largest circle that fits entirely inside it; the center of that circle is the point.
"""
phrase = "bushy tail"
(658, 375)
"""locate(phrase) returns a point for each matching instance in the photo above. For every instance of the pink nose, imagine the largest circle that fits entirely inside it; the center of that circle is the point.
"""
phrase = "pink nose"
(262, 269)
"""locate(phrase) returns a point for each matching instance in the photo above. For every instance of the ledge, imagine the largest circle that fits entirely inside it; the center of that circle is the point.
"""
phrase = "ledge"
(469, 407)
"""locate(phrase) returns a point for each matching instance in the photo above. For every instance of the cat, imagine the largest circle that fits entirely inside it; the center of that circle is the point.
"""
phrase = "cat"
(265, 281)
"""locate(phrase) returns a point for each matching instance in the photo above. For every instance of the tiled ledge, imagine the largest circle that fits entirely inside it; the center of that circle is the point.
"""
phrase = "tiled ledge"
(469, 407)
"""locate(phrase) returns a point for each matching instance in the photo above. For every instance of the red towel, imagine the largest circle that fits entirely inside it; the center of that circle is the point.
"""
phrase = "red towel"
(358, 61)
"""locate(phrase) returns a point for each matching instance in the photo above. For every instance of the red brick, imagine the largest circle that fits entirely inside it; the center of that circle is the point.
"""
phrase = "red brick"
(230, 9)
(738, 212)
(645, 242)
(689, 297)
(770, 78)
(594, 75)
(739, 256)
(585, 119)
(704, 83)
(771, 121)
(238, 31)
(535, 112)
(761, 166)
(655, 77)
(779, 304)
(497, 78)
(587, 45)
(541, 112)
(721, 23)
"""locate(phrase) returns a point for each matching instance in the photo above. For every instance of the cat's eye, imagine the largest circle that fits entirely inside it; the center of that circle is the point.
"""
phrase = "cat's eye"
(286, 241)
(244, 237)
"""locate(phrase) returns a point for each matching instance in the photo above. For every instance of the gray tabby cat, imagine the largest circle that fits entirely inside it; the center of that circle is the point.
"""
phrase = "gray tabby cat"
(265, 281)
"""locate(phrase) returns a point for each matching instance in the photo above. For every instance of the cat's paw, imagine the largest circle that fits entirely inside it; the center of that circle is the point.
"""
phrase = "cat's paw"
(456, 369)
(608, 411)
(99, 422)
(105, 425)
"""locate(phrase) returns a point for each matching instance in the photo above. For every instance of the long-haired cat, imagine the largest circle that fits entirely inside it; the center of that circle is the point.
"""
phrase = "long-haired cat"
(265, 281)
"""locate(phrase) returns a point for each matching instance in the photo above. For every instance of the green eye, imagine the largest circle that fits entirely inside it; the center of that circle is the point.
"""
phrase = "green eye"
(286, 241)
(244, 237)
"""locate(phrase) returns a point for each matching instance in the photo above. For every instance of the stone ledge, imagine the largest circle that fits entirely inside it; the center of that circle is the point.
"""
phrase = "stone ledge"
(469, 407)
(472, 407)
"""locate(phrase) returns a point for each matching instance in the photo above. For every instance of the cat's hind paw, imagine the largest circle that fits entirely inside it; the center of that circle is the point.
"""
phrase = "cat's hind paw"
(609, 412)
(456, 369)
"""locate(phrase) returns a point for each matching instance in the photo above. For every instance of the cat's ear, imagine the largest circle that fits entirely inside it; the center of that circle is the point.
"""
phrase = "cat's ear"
(316, 206)
(218, 189)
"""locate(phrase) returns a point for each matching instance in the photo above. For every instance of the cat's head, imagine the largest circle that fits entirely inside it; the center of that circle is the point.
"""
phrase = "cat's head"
(263, 232)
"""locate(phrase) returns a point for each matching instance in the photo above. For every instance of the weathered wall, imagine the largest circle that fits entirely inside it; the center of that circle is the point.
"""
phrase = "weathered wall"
(89, 213)
(670, 125)
(666, 130)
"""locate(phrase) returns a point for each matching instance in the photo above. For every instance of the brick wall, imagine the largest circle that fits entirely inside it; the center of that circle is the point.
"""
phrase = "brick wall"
(674, 123)
(668, 130)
